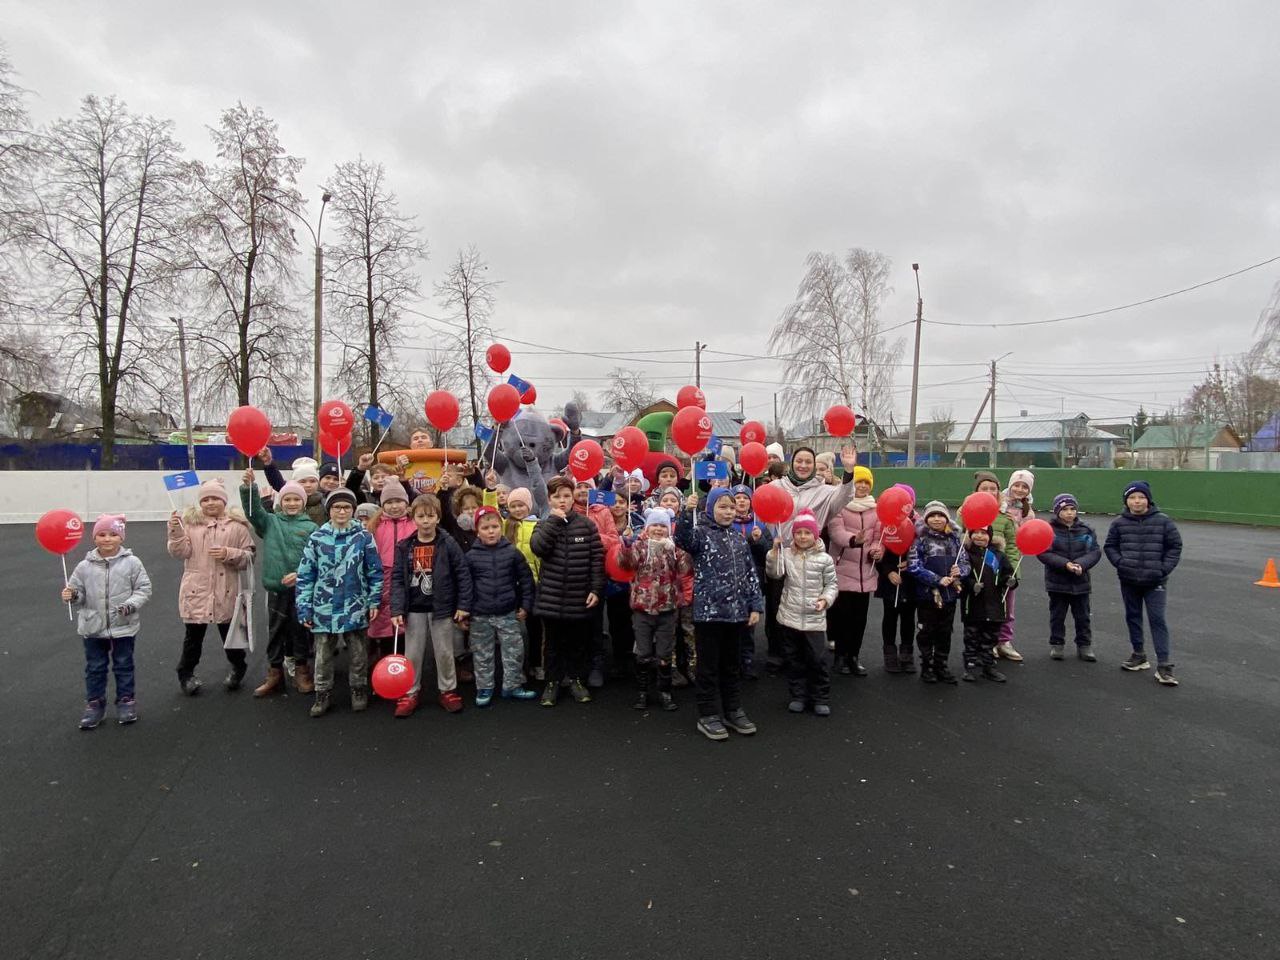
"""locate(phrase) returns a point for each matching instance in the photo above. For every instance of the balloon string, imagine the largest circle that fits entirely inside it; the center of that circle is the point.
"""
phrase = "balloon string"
(66, 578)
(1016, 568)
(395, 641)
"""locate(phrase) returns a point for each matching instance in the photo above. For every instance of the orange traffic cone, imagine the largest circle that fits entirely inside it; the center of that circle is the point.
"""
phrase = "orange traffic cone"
(1269, 578)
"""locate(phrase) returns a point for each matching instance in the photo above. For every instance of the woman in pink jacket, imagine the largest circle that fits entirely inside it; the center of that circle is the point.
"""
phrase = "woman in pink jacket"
(214, 545)
(389, 526)
(854, 543)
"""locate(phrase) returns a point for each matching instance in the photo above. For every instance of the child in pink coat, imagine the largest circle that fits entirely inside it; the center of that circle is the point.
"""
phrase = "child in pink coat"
(854, 544)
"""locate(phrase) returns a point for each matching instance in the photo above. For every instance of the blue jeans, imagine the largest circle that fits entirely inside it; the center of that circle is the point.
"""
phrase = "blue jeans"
(1154, 597)
(101, 653)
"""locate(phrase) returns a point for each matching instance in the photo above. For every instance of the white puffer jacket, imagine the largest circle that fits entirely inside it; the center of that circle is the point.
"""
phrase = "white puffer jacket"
(809, 576)
(102, 586)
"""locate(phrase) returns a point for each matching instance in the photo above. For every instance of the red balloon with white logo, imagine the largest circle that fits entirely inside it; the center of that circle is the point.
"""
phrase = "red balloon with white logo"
(336, 418)
(628, 448)
(392, 677)
(754, 458)
(899, 537)
(248, 429)
(893, 506)
(585, 460)
(691, 396)
(753, 432)
(840, 420)
(773, 504)
(498, 357)
(58, 531)
(442, 409)
(691, 429)
(504, 402)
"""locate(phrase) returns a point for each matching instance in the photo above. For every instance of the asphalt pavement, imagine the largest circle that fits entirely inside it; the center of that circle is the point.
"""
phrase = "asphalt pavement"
(1076, 811)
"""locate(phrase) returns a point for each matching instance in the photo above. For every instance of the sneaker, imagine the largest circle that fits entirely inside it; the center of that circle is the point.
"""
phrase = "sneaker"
(1085, 653)
(1055, 652)
(322, 704)
(549, 694)
(944, 674)
(926, 673)
(843, 667)
(406, 705)
(451, 701)
(1006, 650)
(235, 677)
(739, 722)
(858, 669)
(126, 712)
(484, 696)
(822, 710)
(579, 693)
(595, 680)
(359, 699)
(641, 701)
(668, 702)
(712, 728)
(190, 686)
(1136, 661)
(991, 673)
(1164, 675)
(94, 711)
(519, 693)
(796, 706)
(970, 674)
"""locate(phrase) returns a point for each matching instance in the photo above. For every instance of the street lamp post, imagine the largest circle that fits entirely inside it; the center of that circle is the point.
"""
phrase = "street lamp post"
(318, 373)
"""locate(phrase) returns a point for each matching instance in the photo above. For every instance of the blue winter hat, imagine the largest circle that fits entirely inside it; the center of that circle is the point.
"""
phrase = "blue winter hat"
(1139, 486)
(714, 496)
(741, 488)
(1064, 500)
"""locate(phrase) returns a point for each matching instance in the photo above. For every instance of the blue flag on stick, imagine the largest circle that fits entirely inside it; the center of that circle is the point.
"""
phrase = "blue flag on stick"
(711, 470)
(522, 386)
(715, 445)
(606, 497)
(181, 481)
(375, 414)
(483, 434)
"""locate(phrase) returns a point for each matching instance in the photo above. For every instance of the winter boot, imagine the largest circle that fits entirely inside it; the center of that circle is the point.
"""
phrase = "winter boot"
(668, 701)
(971, 672)
(904, 658)
(274, 682)
(94, 711)
(891, 662)
(359, 699)
(235, 677)
(322, 704)
(991, 673)
(942, 671)
(303, 679)
(644, 681)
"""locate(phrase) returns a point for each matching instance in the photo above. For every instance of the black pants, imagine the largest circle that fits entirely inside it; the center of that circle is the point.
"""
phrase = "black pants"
(532, 645)
(847, 622)
(1078, 604)
(567, 647)
(595, 643)
(808, 664)
(193, 646)
(979, 643)
(747, 650)
(899, 623)
(933, 635)
(622, 637)
(718, 681)
(772, 597)
(286, 637)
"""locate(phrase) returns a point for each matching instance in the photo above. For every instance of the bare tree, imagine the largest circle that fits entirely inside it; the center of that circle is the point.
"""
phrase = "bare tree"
(580, 399)
(874, 356)
(372, 276)
(628, 392)
(247, 349)
(470, 295)
(105, 217)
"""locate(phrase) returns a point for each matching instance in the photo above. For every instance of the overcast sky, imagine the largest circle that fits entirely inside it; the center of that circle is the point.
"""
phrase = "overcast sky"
(644, 174)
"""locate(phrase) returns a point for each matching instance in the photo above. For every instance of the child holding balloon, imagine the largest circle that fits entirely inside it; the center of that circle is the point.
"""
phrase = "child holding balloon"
(1013, 505)
(986, 591)
(809, 588)
(107, 589)
(855, 544)
(938, 564)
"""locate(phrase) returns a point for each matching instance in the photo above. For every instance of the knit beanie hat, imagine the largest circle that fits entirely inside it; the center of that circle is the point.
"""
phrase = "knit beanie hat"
(936, 506)
(484, 511)
(1139, 486)
(520, 495)
(775, 450)
(863, 473)
(212, 488)
(366, 511)
(392, 490)
(713, 497)
(1064, 500)
(910, 489)
(740, 490)
(329, 470)
(305, 468)
(109, 523)
(828, 458)
(658, 517)
(638, 474)
(341, 495)
(805, 520)
(1023, 476)
(981, 475)
(295, 488)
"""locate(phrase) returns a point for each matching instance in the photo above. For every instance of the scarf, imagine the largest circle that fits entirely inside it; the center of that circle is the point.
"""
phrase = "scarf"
(861, 504)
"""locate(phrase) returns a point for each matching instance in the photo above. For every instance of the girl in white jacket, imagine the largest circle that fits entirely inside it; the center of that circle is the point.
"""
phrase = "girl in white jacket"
(809, 588)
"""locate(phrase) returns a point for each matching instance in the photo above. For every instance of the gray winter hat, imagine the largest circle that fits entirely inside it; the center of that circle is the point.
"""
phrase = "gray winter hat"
(937, 506)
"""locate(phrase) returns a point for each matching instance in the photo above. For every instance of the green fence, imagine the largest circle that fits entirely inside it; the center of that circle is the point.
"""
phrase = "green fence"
(1252, 498)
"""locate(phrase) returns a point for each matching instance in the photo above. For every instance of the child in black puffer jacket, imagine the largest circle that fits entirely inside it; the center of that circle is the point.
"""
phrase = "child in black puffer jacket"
(984, 602)
(1067, 562)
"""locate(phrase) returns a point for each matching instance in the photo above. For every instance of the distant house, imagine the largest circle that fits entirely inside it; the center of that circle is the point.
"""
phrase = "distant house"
(1185, 446)
(1069, 440)
(1267, 438)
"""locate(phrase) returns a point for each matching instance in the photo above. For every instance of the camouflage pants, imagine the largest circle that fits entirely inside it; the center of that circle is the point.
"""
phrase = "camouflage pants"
(327, 647)
(488, 632)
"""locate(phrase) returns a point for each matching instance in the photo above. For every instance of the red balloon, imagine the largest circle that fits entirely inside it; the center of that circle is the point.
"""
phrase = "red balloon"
(614, 569)
(585, 459)
(248, 429)
(336, 418)
(979, 510)
(899, 537)
(393, 677)
(442, 409)
(530, 395)
(773, 504)
(504, 401)
(628, 447)
(893, 506)
(752, 432)
(691, 429)
(840, 421)
(58, 531)
(336, 446)
(691, 396)
(1034, 537)
(498, 357)
(753, 458)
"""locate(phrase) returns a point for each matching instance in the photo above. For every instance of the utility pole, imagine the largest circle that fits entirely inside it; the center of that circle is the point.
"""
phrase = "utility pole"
(697, 363)
(992, 392)
(777, 426)
(915, 371)
(186, 392)
(972, 427)
(319, 335)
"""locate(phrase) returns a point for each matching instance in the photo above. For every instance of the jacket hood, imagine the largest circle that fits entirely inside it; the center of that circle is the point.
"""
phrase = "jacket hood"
(95, 557)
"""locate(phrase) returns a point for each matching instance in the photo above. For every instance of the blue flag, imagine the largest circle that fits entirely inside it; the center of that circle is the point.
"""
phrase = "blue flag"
(710, 470)
(715, 445)
(607, 497)
(375, 414)
(181, 481)
(483, 434)
(522, 386)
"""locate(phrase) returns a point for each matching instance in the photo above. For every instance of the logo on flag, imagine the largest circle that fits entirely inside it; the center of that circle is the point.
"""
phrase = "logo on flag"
(711, 470)
(180, 481)
(715, 445)
(483, 434)
(375, 414)
(522, 386)
(606, 497)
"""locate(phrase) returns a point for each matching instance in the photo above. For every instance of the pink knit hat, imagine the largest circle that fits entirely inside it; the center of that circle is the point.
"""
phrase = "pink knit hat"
(212, 488)
(520, 495)
(805, 520)
(295, 488)
(109, 523)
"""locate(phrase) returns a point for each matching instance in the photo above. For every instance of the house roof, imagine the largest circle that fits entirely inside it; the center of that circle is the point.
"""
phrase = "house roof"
(1033, 428)
(1184, 436)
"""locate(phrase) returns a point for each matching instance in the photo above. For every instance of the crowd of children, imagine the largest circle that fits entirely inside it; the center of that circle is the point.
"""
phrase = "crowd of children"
(676, 574)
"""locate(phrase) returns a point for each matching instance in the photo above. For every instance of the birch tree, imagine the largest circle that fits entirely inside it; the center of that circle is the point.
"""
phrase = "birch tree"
(469, 295)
